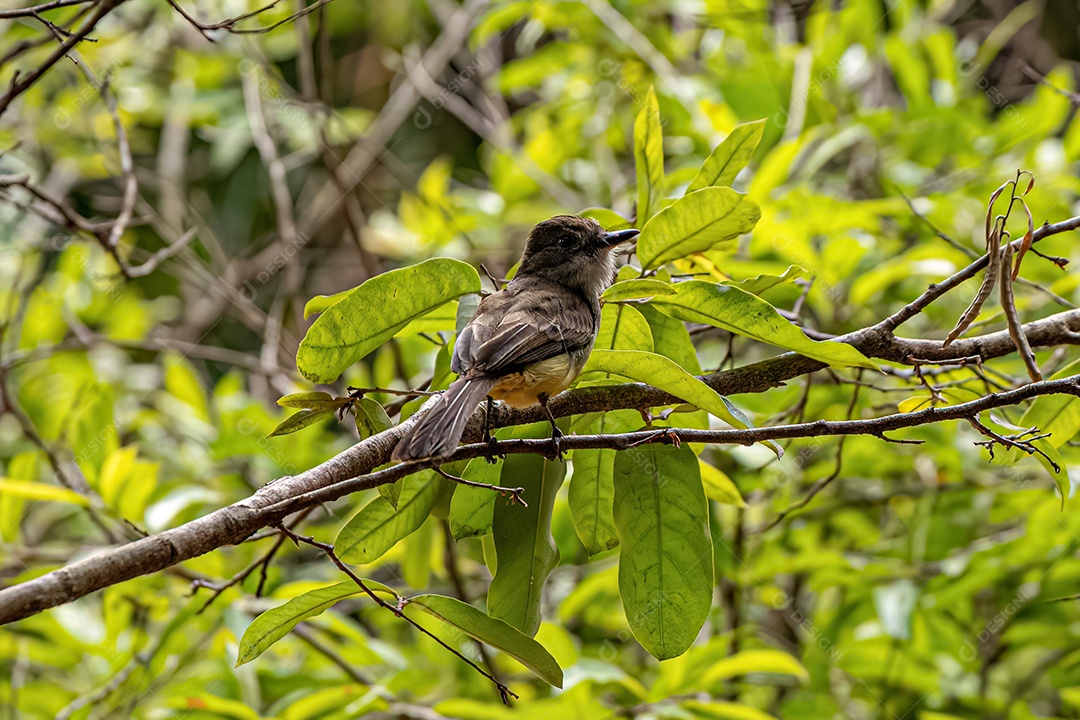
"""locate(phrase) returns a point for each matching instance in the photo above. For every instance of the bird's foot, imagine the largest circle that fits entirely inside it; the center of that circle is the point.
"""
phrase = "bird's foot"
(493, 455)
(557, 453)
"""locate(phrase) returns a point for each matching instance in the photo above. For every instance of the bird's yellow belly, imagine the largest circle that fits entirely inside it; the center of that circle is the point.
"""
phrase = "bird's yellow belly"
(547, 377)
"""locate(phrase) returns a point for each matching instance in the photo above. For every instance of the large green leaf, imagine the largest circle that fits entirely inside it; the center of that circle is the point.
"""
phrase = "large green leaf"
(300, 420)
(373, 313)
(592, 484)
(378, 526)
(738, 311)
(649, 158)
(493, 632)
(275, 623)
(471, 507)
(664, 374)
(524, 547)
(729, 157)
(665, 560)
(694, 223)
(672, 339)
(761, 283)
(636, 289)
(623, 327)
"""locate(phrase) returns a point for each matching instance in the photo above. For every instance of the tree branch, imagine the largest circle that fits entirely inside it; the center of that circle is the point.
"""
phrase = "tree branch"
(349, 472)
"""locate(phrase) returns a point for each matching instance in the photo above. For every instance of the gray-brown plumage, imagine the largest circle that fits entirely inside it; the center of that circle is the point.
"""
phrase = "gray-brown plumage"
(528, 341)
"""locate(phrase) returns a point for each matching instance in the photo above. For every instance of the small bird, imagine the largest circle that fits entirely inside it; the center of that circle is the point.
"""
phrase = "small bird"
(528, 341)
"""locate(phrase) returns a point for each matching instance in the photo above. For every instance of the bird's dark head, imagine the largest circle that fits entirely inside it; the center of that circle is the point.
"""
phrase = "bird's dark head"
(574, 252)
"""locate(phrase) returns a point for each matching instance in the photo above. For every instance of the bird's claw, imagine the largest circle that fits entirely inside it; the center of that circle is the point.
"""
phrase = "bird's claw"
(493, 455)
(557, 453)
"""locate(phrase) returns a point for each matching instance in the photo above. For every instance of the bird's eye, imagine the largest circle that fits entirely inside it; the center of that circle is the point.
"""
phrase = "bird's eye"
(566, 242)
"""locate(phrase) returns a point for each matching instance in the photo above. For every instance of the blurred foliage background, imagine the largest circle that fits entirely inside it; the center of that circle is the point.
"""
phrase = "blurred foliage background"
(913, 586)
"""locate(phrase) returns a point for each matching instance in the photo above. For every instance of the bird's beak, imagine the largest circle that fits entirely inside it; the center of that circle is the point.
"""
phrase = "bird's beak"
(612, 239)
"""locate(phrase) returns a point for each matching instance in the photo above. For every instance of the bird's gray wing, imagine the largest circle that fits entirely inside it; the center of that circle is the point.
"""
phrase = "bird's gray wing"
(536, 324)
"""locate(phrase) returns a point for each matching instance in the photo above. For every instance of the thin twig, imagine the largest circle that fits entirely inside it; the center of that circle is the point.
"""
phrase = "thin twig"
(514, 493)
(504, 692)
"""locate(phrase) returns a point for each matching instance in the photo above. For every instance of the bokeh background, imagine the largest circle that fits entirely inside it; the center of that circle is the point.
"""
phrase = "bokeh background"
(271, 158)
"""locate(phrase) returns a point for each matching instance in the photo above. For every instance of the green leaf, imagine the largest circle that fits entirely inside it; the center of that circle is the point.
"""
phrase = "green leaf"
(322, 703)
(40, 491)
(623, 327)
(648, 158)
(671, 339)
(276, 623)
(592, 485)
(183, 382)
(664, 374)
(761, 283)
(665, 560)
(719, 487)
(471, 508)
(1058, 415)
(754, 661)
(115, 472)
(525, 549)
(321, 303)
(636, 289)
(494, 632)
(721, 710)
(299, 421)
(748, 315)
(729, 157)
(378, 526)
(608, 219)
(695, 223)
(374, 312)
(441, 319)
(312, 401)
(371, 417)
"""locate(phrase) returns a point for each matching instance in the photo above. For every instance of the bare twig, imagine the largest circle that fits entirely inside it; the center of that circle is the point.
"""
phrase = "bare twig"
(504, 692)
(514, 493)
(21, 83)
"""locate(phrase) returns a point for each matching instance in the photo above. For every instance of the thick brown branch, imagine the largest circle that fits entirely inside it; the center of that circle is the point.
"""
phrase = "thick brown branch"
(348, 473)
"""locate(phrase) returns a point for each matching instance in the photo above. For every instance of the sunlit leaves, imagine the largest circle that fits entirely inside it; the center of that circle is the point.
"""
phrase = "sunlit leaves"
(665, 374)
(694, 223)
(636, 289)
(665, 561)
(379, 525)
(729, 157)
(276, 623)
(374, 312)
(754, 661)
(493, 632)
(740, 312)
(719, 487)
(40, 491)
(648, 158)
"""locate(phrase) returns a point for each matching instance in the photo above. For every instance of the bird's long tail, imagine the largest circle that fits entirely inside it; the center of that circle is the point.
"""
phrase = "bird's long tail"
(440, 429)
